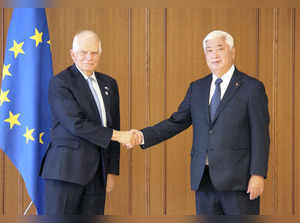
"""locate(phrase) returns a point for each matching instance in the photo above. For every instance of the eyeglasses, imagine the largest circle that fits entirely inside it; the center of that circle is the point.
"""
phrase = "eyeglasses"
(86, 53)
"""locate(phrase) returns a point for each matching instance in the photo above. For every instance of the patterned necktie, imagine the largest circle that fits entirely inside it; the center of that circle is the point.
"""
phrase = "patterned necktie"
(216, 99)
(90, 82)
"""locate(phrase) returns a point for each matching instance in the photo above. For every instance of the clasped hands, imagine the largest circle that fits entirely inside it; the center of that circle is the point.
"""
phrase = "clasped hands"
(129, 138)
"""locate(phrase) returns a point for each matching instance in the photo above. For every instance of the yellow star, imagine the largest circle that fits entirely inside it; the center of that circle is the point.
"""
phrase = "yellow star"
(17, 48)
(5, 71)
(49, 42)
(28, 135)
(37, 37)
(13, 119)
(41, 140)
(3, 97)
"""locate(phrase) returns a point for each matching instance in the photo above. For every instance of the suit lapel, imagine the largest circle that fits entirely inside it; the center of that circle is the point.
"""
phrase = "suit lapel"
(85, 90)
(205, 95)
(233, 87)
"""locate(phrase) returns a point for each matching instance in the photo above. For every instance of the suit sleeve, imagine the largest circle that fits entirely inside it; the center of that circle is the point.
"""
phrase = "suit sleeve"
(259, 124)
(179, 121)
(67, 112)
(113, 161)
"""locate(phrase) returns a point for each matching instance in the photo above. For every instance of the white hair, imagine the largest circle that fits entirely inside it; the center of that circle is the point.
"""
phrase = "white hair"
(219, 34)
(75, 45)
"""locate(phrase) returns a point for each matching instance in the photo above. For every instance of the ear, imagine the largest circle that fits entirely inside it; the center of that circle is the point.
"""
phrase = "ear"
(233, 53)
(73, 56)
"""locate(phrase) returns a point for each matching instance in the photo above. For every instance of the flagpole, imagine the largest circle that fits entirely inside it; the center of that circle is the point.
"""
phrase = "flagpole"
(28, 208)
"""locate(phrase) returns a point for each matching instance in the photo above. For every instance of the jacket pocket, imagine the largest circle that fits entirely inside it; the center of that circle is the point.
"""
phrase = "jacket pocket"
(72, 144)
(240, 148)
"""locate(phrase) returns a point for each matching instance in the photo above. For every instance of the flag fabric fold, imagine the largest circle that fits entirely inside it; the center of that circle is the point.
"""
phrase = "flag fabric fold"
(24, 112)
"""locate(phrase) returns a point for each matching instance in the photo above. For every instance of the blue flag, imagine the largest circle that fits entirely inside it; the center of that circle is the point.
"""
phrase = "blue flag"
(24, 111)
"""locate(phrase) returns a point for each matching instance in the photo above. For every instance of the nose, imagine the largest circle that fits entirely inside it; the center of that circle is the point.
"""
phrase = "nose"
(214, 54)
(89, 55)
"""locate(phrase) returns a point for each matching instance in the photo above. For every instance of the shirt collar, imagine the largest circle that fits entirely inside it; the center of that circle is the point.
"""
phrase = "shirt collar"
(226, 77)
(86, 77)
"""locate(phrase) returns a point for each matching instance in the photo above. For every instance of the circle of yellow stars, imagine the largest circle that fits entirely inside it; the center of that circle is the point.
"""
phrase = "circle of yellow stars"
(13, 119)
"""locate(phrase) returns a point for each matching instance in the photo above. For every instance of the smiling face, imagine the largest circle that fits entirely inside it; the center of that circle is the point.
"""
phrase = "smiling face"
(86, 54)
(219, 56)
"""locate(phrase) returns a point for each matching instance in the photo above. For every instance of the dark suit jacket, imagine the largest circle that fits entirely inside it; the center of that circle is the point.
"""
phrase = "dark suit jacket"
(79, 143)
(236, 141)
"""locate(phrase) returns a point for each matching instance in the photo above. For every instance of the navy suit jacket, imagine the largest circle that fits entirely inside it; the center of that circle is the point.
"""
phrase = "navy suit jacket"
(236, 141)
(79, 143)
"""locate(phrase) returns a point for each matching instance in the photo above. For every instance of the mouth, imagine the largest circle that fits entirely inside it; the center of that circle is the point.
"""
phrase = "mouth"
(216, 62)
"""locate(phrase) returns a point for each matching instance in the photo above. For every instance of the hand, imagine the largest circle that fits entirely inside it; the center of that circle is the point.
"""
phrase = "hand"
(255, 186)
(138, 138)
(129, 138)
(110, 183)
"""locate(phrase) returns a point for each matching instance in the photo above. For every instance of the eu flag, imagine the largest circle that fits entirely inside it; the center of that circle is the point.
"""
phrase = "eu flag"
(24, 111)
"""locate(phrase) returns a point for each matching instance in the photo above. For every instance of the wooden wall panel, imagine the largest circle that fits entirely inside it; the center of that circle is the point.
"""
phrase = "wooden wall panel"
(267, 74)
(157, 109)
(140, 111)
(297, 111)
(180, 71)
(284, 113)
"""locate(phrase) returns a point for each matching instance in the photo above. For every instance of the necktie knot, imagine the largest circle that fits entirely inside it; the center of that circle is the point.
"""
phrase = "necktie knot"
(218, 82)
(90, 79)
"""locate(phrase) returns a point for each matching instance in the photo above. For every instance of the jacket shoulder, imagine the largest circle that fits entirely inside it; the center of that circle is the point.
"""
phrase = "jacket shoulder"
(250, 80)
(202, 80)
(65, 74)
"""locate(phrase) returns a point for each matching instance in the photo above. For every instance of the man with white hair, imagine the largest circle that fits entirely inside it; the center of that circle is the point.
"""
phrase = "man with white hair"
(84, 152)
(229, 113)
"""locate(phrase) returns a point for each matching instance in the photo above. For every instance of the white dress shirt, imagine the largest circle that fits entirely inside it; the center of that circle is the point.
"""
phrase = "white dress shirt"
(98, 92)
(224, 85)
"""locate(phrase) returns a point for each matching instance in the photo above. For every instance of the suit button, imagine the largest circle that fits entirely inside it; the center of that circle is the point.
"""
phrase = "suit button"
(210, 131)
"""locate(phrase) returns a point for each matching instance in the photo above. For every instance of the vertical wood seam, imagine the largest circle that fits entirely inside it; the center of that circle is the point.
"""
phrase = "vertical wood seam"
(293, 62)
(147, 64)
(130, 50)
(165, 112)
(275, 88)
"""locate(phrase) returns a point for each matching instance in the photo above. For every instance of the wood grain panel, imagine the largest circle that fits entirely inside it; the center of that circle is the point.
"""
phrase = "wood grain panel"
(183, 53)
(140, 112)
(266, 73)
(157, 44)
(2, 170)
(284, 113)
(297, 111)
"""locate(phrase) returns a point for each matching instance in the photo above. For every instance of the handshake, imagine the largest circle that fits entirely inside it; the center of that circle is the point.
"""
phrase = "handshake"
(129, 138)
